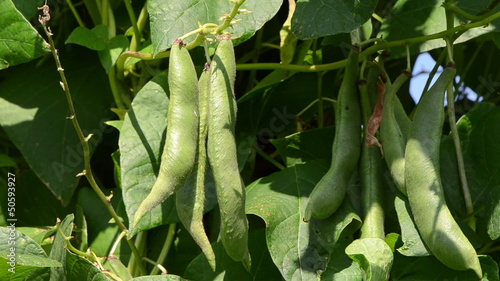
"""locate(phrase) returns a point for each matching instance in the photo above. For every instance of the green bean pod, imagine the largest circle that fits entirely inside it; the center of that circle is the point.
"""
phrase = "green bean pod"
(221, 148)
(391, 135)
(190, 199)
(433, 219)
(181, 140)
(371, 169)
(329, 192)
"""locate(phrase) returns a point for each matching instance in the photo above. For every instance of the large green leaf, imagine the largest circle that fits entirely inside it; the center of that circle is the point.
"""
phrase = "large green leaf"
(318, 18)
(419, 18)
(373, 255)
(413, 244)
(101, 232)
(228, 269)
(140, 142)
(19, 41)
(28, 255)
(28, 212)
(302, 251)
(170, 19)
(28, 8)
(306, 146)
(480, 134)
(430, 269)
(59, 248)
(78, 268)
(142, 137)
(34, 114)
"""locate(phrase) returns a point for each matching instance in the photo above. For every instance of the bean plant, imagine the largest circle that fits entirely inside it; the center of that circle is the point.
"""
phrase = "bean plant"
(249, 140)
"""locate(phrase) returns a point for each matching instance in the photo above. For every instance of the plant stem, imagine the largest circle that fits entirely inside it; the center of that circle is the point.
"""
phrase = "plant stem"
(165, 249)
(75, 13)
(320, 99)
(113, 83)
(269, 158)
(228, 18)
(136, 38)
(469, 207)
(433, 72)
(453, 126)
(370, 50)
(84, 140)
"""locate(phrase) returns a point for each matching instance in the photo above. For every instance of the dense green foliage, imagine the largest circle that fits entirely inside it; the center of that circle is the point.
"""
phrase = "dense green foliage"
(256, 122)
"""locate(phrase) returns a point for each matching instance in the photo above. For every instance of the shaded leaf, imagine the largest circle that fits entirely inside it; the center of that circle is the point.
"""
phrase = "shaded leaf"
(59, 249)
(306, 146)
(315, 18)
(34, 115)
(94, 39)
(6, 161)
(413, 244)
(19, 41)
(478, 131)
(140, 142)
(78, 268)
(113, 49)
(28, 255)
(419, 18)
(430, 269)
(373, 255)
(228, 269)
(300, 250)
(171, 19)
(28, 8)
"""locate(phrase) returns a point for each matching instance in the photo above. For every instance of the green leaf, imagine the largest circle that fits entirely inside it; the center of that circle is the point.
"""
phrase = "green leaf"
(19, 41)
(44, 200)
(101, 233)
(171, 19)
(413, 244)
(300, 250)
(480, 134)
(90, 38)
(115, 265)
(306, 146)
(228, 269)
(28, 255)
(6, 161)
(141, 139)
(315, 18)
(97, 39)
(78, 268)
(430, 269)
(114, 47)
(59, 248)
(28, 8)
(419, 18)
(374, 256)
(38, 234)
(34, 115)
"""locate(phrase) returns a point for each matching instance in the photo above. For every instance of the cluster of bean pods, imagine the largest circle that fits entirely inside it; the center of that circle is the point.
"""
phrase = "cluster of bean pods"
(200, 130)
(411, 152)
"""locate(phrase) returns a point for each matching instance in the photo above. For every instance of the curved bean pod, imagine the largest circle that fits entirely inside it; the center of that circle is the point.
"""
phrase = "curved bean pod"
(329, 192)
(190, 199)
(181, 141)
(221, 148)
(391, 135)
(433, 219)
